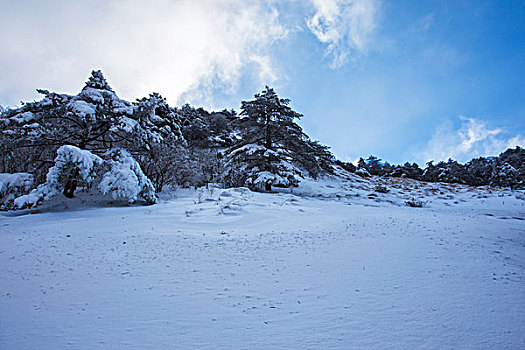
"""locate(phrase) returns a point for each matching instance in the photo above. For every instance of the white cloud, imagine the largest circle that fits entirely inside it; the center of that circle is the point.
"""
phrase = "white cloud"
(345, 26)
(267, 72)
(473, 139)
(187, 50)
(175, 47)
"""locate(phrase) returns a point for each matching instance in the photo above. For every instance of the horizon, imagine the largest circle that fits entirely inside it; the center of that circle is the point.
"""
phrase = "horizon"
(410, 81)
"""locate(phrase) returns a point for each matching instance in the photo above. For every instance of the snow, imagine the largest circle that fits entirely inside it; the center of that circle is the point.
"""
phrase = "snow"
(126, 124)
(67, 156)
(15, 180)
(12, 185)
(249, 149)
(82, 108)
(125, 178)
(23, 118)
(332, 265)
(93, 95)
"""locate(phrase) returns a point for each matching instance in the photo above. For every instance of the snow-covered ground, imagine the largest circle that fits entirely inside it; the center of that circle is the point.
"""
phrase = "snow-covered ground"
(333, 265)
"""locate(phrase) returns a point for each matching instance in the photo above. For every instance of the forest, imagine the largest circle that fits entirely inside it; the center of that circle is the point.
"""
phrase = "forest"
(133, 150)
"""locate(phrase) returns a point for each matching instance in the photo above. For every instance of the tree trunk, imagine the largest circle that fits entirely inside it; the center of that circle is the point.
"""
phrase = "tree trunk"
(268, 185)
(268, 132)
(71, 183)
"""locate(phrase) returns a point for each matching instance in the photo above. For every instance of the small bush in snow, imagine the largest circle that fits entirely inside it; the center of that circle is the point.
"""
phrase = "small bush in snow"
(381, 189)
(414, 203)
(362, 172)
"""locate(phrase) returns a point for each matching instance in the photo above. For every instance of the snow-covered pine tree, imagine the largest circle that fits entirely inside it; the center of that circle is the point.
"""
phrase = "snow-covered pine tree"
(407, 170)
(95, 120)
(90, 120)
(156, 119)
(362, 168)
(273, 150)
(515, 159)
(195, 129)
(374, 166)
(157, 142)
(479, 171)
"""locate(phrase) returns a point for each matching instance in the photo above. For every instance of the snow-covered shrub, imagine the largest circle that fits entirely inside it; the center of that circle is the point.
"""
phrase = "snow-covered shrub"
(362, 172)
(12, 186)
(504, 175)
(119, 174)
(415, 203)
(407, 170)
(125, 178)
(71, 165)
(381, 189)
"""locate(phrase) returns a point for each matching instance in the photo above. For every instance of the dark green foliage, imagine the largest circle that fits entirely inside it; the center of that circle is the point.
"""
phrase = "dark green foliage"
(412, 171)
(346, 165)
(273, 150)
(506, 170)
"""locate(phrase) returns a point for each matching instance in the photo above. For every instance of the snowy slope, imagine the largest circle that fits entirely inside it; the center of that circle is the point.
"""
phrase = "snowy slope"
(332, 265)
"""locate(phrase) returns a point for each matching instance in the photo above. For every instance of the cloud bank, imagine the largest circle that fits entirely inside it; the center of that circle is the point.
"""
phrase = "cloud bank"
(474, 138)
(189, 51)
(173, 47)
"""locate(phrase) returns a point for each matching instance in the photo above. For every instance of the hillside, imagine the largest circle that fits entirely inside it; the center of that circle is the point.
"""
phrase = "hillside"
(254, 236)
(334, 265)
(133, 150)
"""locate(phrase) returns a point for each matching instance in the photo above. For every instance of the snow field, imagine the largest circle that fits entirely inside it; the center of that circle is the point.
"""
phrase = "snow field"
(232, 269)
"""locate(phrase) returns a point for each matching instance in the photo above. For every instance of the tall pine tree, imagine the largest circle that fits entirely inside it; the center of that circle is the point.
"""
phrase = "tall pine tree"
(274, 150)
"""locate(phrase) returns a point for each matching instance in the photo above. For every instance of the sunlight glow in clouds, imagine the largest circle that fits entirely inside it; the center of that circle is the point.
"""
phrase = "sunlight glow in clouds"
(186, 50)
(172, 47)
(473, 139)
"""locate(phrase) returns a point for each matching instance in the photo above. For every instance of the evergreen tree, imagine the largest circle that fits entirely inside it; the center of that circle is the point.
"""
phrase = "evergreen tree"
(95, 120)
(274, 150)
(374, 166)
(480, 171)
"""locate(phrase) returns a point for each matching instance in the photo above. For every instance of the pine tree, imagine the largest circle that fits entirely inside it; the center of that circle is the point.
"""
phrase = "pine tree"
(95, 120)
(274, 150)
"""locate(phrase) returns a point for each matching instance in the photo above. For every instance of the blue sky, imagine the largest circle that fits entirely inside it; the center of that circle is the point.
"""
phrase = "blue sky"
(403, 80)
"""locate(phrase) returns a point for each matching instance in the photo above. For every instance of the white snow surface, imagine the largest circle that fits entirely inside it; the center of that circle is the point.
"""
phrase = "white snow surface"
(332, 265)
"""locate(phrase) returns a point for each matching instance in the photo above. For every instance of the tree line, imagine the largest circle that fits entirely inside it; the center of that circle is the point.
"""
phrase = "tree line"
(505, 170)
(260, 148)
(134, 149)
